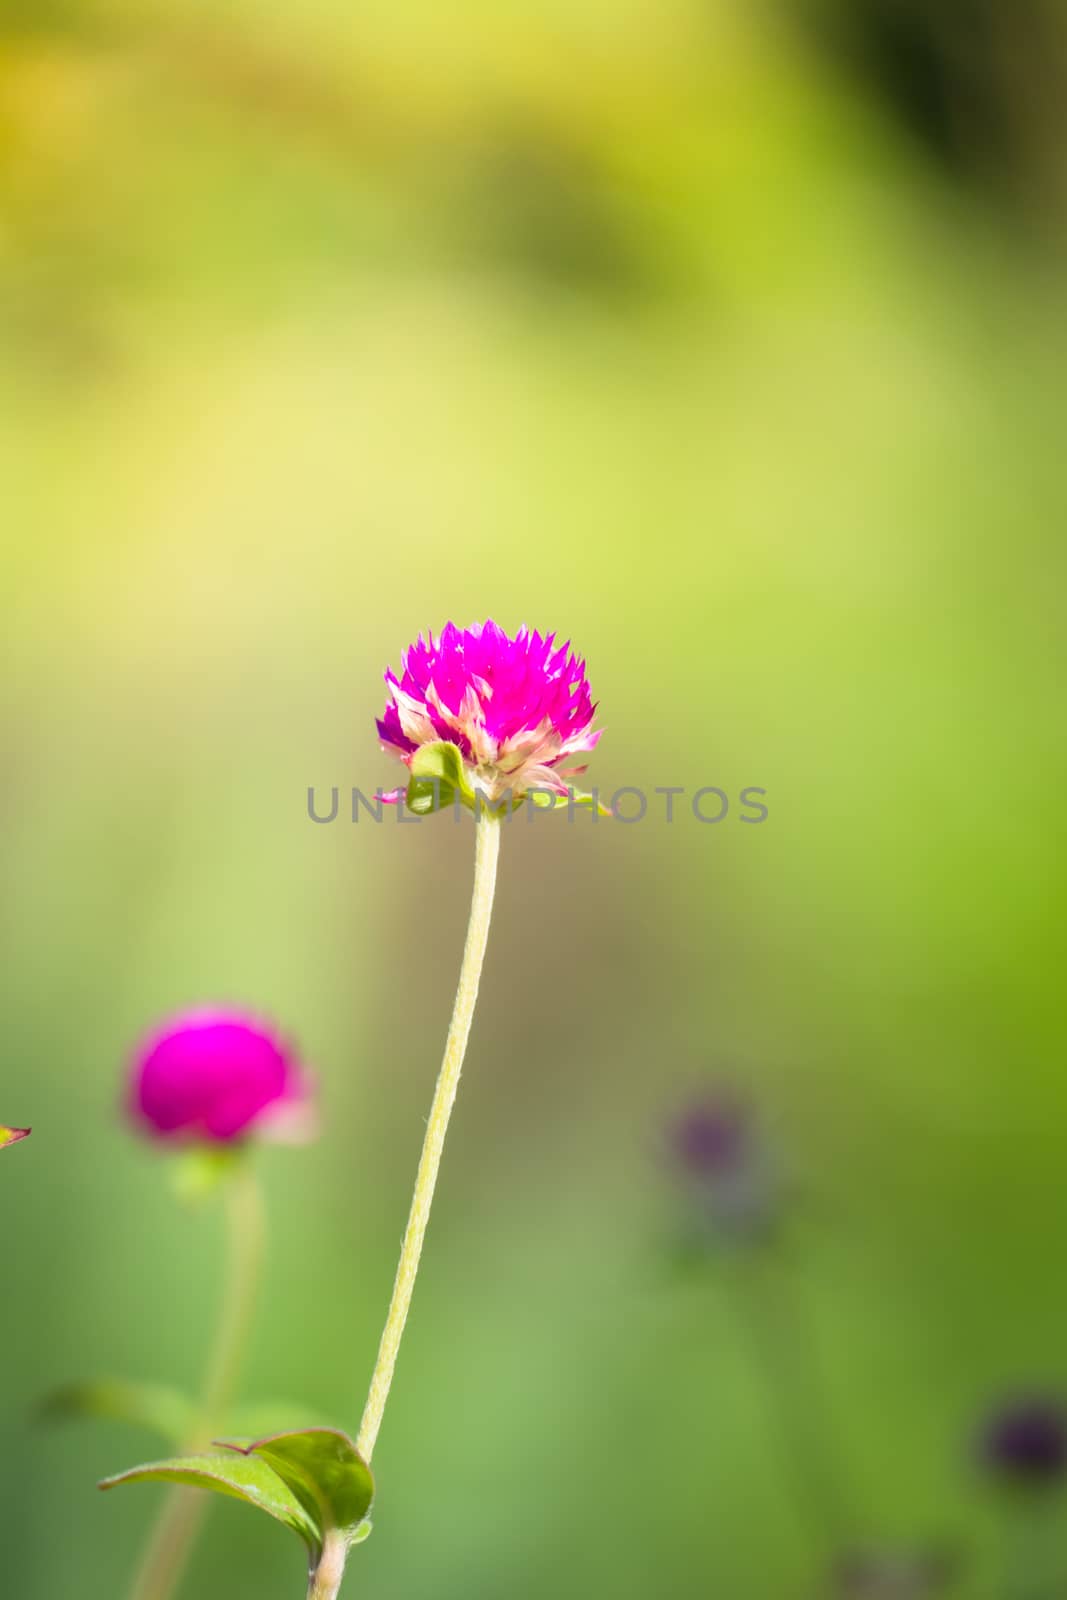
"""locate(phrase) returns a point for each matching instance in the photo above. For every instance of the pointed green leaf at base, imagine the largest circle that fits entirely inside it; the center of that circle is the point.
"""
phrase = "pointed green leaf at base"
(242, 1477)
(314, 1481)
(325, 1472)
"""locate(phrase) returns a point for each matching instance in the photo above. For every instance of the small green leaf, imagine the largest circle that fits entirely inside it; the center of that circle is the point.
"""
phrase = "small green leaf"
(438, 779)
(426, 795)
(12, 1135)
(151, 1405)
(325, 1472)
(164, 1410)
(440, 760)
(544, 800)
(242, 1477)
(199, 1169)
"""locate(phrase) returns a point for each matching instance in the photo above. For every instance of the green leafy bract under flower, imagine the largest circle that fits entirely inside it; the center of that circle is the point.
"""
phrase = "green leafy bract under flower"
(440, 779)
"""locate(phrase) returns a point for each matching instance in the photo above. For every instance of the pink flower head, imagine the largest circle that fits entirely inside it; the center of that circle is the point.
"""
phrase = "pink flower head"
(218, 1076)
(515, 708)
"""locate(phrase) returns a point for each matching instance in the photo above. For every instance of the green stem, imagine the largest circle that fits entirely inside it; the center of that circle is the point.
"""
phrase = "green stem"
(1032, 1540)
(780, 1345)
(486, 853)
(174, 1534)
(247, 1230)
(325, 1581)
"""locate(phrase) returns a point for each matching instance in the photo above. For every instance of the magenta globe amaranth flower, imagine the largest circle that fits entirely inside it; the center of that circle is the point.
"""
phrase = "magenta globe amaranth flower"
(209, 1082)
(218, 1077)
(475, 716)
(516, 709)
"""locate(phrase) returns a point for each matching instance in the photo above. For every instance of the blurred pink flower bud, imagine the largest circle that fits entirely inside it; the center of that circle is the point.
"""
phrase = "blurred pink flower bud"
(219, 1076)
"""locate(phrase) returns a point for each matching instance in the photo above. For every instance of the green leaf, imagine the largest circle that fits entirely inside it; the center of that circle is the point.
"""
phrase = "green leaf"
(325, 1472)
(199, 1169)
(545, 801)
(151, 1405)
(12, 1135)
(242, 1477)
(438, 778)
(164, 1410)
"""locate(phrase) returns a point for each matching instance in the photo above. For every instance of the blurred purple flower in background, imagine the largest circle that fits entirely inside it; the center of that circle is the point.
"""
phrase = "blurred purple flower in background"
(737, 1196)
(710, 1138)
(514, 707)
(217, 1076)
(717, 1153)
(1024, 1441)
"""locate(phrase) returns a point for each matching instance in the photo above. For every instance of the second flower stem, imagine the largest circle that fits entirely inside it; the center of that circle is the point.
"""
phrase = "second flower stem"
(247, 1229)
(486, 853)
(183, 1510)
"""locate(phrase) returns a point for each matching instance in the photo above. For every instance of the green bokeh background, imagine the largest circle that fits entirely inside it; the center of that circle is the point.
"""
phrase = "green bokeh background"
(653, 323)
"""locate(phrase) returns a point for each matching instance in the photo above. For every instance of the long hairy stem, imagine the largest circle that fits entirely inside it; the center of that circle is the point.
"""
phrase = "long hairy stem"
(183, 1510)
(325, 1581)
(486, 854)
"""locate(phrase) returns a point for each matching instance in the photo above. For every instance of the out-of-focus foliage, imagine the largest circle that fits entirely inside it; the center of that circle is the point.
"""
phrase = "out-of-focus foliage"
(656, 324)
(981, 81)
